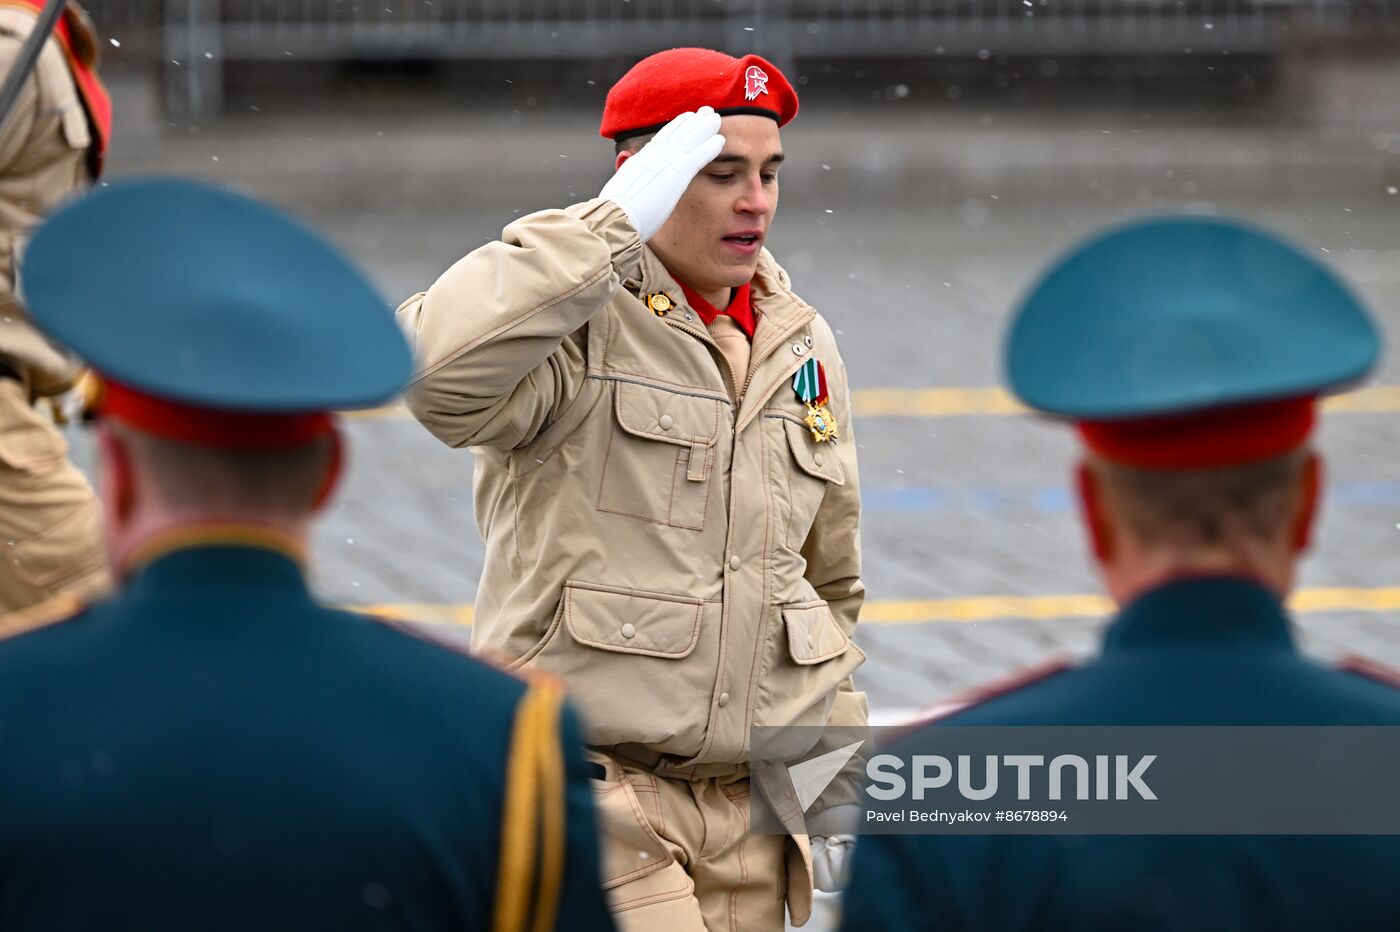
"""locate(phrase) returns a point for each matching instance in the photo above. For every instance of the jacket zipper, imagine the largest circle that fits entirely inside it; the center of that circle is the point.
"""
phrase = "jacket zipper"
(754, 363)
(704, 336)
(763, 357)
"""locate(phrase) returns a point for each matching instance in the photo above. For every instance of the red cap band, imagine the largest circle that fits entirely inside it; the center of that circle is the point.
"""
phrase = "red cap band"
(210, 427)
(661, 87)
(1205, 439)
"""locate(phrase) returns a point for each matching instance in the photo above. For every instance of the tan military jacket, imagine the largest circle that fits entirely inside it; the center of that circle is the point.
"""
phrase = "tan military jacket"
(689, 564)
(43, 158)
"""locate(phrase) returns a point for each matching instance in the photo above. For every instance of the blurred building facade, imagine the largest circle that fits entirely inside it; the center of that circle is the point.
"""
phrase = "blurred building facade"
(197, 43)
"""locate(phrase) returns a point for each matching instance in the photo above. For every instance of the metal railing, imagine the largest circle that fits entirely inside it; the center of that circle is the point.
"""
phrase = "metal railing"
(201, 35)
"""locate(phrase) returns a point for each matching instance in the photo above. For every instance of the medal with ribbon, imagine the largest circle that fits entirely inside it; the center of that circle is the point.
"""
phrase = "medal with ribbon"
(810, 386)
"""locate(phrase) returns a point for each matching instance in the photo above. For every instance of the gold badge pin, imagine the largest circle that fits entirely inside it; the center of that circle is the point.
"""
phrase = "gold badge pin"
(660, 304)
(821, 422)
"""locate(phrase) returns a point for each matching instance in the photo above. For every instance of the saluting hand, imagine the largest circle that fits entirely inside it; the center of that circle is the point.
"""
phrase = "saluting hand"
(649, 184)
(831, 861)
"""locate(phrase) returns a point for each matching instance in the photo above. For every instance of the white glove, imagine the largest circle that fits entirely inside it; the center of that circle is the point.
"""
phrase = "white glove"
(650, 184)
(831, 856)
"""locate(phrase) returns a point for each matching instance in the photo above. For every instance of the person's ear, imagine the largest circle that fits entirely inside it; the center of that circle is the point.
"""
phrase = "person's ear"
(117, 476)
(1310, 494)
(622, 156)
(334, 465)
(1092, 512)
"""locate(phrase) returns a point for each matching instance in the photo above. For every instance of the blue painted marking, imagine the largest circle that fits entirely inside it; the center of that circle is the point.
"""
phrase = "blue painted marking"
(917, 498)
(990, 499)
(1052, 499)
(1362, 495)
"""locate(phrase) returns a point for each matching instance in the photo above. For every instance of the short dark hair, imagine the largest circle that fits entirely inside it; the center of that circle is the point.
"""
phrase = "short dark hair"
(186, 477)
(632, 143)
(1256, 501)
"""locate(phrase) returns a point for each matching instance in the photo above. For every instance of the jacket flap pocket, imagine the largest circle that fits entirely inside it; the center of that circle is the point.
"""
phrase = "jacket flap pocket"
(631, 850)
(815, 459)
(27, 443)
(629, 621)
(813, 635)
(656, 414)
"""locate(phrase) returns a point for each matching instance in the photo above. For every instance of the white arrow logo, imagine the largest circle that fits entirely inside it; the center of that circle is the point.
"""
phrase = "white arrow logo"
(811, 777)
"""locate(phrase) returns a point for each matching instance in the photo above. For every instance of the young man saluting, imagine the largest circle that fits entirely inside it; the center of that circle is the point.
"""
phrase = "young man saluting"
(666, 482)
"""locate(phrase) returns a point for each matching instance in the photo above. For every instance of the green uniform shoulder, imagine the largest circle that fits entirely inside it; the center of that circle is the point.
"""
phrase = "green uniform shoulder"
(532, 837)
(487, 661)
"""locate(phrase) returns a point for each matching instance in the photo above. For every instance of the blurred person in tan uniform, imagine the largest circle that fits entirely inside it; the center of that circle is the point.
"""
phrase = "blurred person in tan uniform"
(667, 490)
(51, 146)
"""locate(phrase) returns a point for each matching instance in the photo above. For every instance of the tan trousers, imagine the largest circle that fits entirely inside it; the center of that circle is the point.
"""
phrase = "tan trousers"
(50, 522)
(678, 856)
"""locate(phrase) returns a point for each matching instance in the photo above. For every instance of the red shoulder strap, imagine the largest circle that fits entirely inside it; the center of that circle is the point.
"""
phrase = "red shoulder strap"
(1364, 666)
(96, 101)
(984, 692)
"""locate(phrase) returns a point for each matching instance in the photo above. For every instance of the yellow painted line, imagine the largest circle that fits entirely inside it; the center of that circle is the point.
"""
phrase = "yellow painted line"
(934, 402)
(1384, 599)
(398, 410)
(989, 402)
(1377, 398)
(985, 608)
(438, 613)
(972, 609)
(984, 402)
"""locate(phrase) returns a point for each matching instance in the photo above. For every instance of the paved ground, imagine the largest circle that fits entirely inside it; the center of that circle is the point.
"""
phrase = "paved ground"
(913, 232)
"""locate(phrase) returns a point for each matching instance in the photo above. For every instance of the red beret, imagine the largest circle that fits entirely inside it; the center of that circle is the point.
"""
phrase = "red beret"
(661, 87)
(1212, 439)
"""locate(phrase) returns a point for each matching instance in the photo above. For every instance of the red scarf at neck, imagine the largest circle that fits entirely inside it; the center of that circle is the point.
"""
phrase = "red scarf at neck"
(740, 308)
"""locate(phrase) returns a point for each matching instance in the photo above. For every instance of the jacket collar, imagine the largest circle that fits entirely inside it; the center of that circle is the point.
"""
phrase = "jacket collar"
(780, 314)
(739, 309)
(778, 310)
(783, 316)
(782, 311)
(215, 561)
(1219, 611)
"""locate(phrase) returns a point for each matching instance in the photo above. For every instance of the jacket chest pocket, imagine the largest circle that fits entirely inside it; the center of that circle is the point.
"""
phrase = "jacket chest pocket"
(817, 467)
(661, 456)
